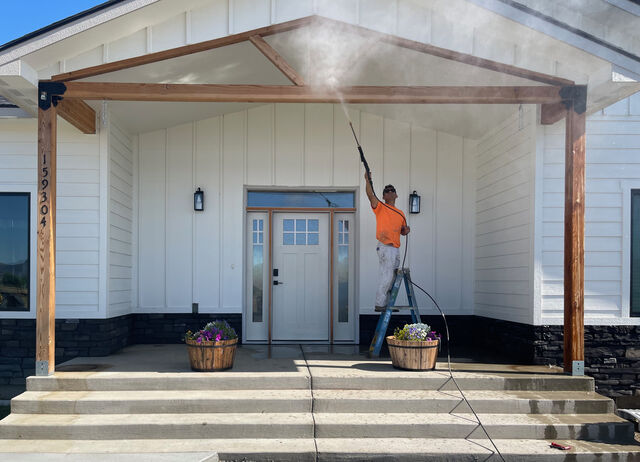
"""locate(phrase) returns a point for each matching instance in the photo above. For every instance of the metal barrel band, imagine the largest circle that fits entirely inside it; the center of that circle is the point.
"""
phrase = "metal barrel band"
(411, 347)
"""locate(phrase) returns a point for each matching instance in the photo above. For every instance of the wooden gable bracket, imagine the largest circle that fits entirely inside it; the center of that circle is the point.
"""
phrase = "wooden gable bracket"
(277, 60)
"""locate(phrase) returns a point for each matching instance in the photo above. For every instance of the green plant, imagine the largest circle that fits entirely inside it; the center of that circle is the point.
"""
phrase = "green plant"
(416, 332)
(214, 331)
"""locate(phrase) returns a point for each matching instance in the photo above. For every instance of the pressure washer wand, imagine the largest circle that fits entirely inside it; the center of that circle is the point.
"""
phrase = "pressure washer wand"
(362, 158)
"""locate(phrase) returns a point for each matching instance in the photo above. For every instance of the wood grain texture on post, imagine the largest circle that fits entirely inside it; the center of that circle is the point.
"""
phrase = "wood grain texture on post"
(574, 238)
(46, 265)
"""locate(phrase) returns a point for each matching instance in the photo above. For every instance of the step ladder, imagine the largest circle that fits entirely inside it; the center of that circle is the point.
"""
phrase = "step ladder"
(400, 275)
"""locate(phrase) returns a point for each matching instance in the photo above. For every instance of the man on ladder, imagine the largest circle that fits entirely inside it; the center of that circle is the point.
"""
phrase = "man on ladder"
(390, 224)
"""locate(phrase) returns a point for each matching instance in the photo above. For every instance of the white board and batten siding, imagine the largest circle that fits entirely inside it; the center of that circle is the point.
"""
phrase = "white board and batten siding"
(186, 257)
(504, 214)
(612, 170)
(120, 219)
(78, 268)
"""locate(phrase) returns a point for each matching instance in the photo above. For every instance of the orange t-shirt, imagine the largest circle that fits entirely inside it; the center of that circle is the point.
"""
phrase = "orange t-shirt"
(388, 224)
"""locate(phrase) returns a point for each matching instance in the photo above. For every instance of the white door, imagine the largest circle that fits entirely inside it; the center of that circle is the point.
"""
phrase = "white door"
(301, 262)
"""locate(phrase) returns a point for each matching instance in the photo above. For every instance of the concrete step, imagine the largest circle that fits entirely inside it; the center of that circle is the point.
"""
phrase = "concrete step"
(304, 449)
(378, 378)
(440, 380)
(595, 427)
(156, 426)
(161, 401)
(345, 401)
(110, 381)
(483, 401)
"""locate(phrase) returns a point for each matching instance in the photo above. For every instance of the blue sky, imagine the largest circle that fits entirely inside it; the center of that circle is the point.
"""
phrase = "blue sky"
(24, 16)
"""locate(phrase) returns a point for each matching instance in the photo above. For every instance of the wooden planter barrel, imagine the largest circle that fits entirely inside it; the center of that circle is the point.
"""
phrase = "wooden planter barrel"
(211, 356)
(413, 355)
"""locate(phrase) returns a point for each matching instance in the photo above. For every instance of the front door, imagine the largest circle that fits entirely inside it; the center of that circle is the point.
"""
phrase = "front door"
(301, 271)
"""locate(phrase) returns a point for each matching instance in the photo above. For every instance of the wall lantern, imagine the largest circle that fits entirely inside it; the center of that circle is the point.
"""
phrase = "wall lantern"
(414, 203)
(198, 200)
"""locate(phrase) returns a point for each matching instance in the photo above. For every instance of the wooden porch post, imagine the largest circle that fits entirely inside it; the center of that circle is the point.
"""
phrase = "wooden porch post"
(46, 266)
(574, 232)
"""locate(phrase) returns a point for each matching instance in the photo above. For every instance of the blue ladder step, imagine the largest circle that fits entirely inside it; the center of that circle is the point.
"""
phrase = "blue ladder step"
(400, 275)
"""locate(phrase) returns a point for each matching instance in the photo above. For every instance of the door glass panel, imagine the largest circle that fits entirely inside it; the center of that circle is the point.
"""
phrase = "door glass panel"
(301, 225)
(258, 271)
(287, 238)
(287, 225)
(312, 239)
(343, 270)
(312, 225)
(301, 239)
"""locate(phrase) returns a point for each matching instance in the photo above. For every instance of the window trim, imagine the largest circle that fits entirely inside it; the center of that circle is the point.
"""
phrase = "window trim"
(30, 253)
(626, 187)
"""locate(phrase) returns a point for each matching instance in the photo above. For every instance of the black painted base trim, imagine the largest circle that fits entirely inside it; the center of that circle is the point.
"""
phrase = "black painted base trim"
(612, 352)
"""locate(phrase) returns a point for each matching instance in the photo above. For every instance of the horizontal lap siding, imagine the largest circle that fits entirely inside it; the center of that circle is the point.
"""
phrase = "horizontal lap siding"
(187, 257)
(503, 260)
(77, 212)
(613, 157)
(120, 218)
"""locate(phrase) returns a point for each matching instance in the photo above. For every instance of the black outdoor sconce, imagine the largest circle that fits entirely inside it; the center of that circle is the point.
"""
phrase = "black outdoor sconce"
(414, 203)
(198, 200)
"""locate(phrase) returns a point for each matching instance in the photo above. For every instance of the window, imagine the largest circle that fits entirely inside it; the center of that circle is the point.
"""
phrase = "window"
(258, 269)
(635, 252)
(300, 232)
(343, 270)
(14, 251)
(306, 199)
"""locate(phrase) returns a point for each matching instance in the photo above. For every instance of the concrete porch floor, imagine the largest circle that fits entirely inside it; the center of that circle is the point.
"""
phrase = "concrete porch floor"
(322, 360)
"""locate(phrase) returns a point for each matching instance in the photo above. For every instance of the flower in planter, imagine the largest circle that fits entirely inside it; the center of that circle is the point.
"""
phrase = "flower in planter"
(214, 331)
(416, 332)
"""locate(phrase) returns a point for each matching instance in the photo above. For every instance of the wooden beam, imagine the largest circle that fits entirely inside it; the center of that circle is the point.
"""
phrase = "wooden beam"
(575, 146)
(181, 51)
(295, 94)
(277, 60)
(79, 114)
(552, 113)
(46, 264)
(464, 58)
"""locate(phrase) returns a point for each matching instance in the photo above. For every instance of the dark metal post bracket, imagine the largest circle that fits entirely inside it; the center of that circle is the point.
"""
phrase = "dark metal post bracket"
(575, 96)
(50, 93)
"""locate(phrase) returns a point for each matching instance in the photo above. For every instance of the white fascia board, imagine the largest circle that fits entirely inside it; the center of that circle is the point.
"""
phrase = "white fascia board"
(71, 29)
(607, 86)
(20, 84)
(626, 5)
(559, 33)
(19, 68)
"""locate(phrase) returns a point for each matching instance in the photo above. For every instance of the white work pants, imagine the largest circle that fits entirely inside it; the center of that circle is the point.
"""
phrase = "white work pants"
(389, 257)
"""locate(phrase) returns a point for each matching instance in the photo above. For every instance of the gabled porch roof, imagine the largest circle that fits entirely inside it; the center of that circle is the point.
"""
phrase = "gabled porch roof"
(479, 33)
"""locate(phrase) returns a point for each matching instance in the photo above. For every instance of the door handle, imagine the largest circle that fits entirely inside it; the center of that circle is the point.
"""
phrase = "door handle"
(275, 283)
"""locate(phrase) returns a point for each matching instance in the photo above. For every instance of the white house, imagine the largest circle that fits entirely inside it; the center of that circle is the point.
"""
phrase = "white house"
(283, 186)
